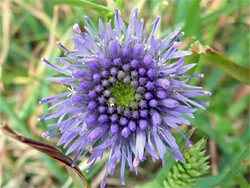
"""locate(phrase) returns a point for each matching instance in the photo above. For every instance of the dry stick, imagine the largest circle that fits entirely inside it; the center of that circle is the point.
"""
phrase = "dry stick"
(47, 22)
(52, 35)
(140, 5)
(47, 149)
(35, 52)
(51, 42)
(31, 75)
(212, 150)
(117, 183)
(6, 30)
(1, 157)
(168, 18)
(157, 11)
(41, 66)
(6, 36)
(47, 53)
(35, 12)
(98, 179)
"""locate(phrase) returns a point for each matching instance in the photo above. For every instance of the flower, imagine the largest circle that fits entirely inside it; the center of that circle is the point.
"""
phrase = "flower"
(125, 93)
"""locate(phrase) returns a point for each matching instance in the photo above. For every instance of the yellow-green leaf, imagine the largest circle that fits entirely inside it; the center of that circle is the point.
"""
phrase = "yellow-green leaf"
(239, 73)
(84, 3)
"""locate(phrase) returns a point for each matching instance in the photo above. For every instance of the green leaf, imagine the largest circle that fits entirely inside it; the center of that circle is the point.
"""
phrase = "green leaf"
(212, 181)
(111, 4)
(5, 107)
(229, 8)
(236, 109)
(239, 45)
(237, 166)
(212, 83)
(160, 177)
(193, 22)
(86, 4)
(223, 125)
(77, 180)
(180, 11)
(120, 3)
(239, 73)
(242, 181)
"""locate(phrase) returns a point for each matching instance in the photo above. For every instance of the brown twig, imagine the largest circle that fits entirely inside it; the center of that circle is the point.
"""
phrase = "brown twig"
(1, 158)
(51, 43)
(35, 12)
(212, 150)
(47, 149)
(6, 30)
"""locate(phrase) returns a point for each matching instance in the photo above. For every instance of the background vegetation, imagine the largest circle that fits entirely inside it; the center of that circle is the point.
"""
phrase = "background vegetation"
(29, 31)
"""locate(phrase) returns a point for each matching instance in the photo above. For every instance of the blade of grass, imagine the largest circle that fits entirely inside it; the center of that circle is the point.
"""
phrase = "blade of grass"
(229, 8)
(77, 180)
(158, 180)
(212, 181)
(25, 130)
(36, 13)
(17, 50)
(9, 112)
(242, 181)
(86, 4)
(211, 34)
(96, 169)
(193, 16)
(120, 3)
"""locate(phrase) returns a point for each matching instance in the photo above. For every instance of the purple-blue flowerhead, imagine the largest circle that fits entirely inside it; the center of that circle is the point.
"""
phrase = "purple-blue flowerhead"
(126, 91)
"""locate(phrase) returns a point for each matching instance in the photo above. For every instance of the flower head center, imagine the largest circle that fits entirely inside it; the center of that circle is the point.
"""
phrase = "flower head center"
(123, 94)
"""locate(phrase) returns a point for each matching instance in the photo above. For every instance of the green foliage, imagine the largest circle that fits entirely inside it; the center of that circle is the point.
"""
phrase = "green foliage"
(228, 8)
(87, 4)
(161, 176)
(237, 167)
(223, 26)
(230, 67)
(193, 16)
(194, 166)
